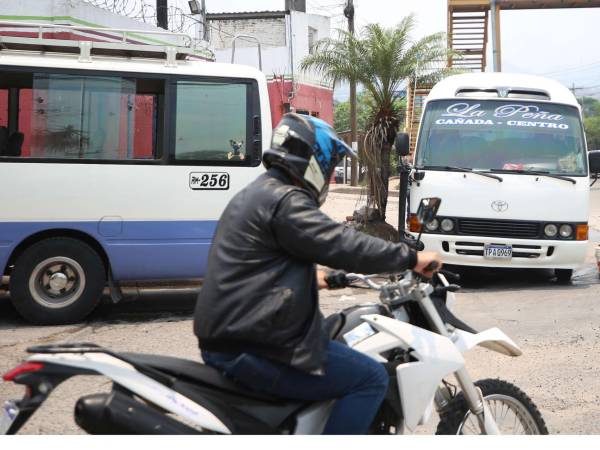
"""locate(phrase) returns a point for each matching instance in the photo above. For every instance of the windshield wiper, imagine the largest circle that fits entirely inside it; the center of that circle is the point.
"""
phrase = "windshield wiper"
(464, 169)
(542, 173)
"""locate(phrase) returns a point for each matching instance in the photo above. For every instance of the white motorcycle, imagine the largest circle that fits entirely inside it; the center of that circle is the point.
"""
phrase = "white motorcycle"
(411, 332)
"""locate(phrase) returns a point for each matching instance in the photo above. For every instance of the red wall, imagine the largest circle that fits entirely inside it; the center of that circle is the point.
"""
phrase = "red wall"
(318, 101)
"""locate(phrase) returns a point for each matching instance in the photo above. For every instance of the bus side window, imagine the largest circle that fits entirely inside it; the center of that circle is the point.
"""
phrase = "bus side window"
(214, 123)
(80, 116)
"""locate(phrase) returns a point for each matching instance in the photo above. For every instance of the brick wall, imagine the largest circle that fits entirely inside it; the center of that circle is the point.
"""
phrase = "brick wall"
(270, 31)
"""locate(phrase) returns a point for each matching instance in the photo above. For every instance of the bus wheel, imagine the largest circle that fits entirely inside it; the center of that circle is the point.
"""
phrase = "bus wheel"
(57, 281)
(563, 275)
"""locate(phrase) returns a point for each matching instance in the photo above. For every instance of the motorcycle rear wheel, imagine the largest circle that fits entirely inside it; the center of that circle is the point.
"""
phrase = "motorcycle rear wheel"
(513, 410)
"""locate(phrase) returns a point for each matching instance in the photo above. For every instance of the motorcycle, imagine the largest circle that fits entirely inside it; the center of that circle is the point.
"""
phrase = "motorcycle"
(412, 332)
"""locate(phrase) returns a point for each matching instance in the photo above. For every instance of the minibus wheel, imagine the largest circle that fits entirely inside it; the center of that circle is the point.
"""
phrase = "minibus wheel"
(563, 275)
(57, 281)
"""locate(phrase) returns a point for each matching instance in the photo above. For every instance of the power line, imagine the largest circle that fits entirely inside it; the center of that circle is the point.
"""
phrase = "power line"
(572, 68)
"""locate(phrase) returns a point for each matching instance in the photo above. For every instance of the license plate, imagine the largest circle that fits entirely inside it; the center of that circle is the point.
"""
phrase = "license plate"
(497, 252)
(8, 414)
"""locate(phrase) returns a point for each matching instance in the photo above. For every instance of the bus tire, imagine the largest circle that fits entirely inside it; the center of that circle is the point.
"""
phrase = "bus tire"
(57, 281)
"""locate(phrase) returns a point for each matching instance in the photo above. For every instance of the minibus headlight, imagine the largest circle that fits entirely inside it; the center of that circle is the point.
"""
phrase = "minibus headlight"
(566, 231)
(550, 230)
(433, 225)
(447, 225)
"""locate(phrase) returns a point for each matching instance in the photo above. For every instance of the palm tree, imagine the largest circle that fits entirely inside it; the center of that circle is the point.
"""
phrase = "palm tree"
(382, 61)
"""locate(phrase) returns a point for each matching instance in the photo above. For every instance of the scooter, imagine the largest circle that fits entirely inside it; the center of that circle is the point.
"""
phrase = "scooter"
(412, 332)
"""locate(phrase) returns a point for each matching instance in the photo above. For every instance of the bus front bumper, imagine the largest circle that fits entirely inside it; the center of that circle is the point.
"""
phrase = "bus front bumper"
(526, 253)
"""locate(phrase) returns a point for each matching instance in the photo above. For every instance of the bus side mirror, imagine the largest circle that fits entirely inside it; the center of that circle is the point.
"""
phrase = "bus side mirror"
(402, 144)
(594, 160)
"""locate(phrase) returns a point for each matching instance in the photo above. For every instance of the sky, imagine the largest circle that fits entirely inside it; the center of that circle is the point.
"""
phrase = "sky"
(560, 43)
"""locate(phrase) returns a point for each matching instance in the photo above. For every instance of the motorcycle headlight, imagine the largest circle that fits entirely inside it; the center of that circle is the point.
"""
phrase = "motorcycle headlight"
(447, 225)
(550, 230)
(433, 225)
(566, 231)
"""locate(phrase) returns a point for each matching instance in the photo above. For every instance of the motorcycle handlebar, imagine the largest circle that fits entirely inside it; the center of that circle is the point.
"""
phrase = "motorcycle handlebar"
(417, 245)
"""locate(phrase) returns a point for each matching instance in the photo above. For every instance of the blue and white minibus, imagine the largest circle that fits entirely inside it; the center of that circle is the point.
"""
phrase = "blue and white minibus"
(115, 167)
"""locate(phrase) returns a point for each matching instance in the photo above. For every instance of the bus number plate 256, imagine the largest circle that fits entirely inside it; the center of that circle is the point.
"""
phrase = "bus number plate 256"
(216, 181)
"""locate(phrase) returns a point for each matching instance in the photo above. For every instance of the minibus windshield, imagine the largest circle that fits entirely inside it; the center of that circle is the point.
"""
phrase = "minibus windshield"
(502, 136)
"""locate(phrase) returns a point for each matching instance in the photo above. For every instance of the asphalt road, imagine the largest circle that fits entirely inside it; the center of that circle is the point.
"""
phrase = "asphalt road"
(557, 327)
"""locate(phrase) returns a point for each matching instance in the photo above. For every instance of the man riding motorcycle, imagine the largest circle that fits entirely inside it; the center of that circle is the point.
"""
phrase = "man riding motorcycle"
(257, 317)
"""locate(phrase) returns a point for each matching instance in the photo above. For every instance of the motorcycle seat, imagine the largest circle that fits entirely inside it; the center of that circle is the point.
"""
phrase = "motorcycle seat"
(333, 324)
(197, 373)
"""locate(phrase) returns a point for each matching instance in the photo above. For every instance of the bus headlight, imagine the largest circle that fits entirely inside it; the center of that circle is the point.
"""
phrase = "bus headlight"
(566, 231)
(433, 225)
(550, 230)
(447, 225)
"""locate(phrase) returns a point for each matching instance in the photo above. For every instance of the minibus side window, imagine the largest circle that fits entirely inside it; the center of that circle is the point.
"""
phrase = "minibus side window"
(212, 123)
(80, 117)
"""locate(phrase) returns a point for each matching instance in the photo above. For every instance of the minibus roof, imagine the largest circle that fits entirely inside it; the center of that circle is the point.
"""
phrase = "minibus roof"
(121, 65)
(523, 87)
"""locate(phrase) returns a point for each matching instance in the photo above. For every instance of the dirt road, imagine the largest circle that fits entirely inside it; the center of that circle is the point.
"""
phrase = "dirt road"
(558, 328)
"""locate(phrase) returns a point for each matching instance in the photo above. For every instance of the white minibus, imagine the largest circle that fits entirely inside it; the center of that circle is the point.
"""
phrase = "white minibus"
(507, 155)
(116, 162)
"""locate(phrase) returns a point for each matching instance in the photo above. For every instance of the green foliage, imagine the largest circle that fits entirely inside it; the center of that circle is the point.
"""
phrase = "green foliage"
(591, 121)
(592, 132)
(382, 61)
(341, 115)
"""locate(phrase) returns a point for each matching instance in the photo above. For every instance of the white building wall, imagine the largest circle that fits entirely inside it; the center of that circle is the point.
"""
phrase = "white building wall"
(271, 32)
(273, 35)
(73, 12)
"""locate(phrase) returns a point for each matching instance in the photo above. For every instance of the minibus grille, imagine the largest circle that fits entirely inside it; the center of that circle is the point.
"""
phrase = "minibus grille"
(499, 228)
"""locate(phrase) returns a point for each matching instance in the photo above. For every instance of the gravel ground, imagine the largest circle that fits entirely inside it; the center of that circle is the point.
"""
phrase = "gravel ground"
(558, 328)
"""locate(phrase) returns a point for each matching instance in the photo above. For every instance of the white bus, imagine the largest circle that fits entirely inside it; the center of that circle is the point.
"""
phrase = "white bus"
(116, 166)
(507, 154)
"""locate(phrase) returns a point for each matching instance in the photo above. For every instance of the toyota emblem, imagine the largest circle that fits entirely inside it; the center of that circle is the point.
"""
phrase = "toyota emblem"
(499, 206)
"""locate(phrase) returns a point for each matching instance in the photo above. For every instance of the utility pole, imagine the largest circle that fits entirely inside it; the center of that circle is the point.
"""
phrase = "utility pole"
(162, 14)
(496, 43)
(349, 14)
(204, 22)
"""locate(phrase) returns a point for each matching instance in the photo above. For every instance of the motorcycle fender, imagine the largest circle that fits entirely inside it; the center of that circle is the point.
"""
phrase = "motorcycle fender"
(127, 376)
(492, 339)
(437, 357)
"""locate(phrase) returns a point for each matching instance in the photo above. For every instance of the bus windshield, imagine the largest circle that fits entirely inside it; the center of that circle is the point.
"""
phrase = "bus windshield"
(502, 136)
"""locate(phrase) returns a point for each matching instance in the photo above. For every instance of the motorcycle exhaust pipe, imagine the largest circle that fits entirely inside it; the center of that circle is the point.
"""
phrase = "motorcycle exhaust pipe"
(117, 413)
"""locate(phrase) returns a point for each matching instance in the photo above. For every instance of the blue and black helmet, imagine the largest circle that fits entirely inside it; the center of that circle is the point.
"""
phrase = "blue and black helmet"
(308, 149)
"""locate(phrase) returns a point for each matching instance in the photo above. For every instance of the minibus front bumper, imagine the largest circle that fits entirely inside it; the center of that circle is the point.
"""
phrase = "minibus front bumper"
(526, 253)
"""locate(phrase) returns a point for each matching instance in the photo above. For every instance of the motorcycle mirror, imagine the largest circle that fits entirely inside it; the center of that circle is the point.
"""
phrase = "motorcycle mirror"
(428, 209)
(402, 144)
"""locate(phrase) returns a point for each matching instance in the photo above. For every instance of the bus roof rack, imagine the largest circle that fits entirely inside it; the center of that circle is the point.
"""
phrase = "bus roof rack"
(105, 41)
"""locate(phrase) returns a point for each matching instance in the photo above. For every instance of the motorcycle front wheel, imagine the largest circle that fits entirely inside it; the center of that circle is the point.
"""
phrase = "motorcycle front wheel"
(513, 411)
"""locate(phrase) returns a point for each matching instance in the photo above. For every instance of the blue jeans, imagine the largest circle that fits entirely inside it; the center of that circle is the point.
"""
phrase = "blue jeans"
(358, 382)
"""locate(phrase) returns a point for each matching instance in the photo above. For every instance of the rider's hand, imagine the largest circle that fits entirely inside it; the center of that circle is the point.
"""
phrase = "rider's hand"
(425, 260)
(335, 279)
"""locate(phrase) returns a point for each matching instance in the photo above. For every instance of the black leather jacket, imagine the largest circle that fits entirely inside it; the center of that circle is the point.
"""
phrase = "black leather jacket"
(260, 291)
